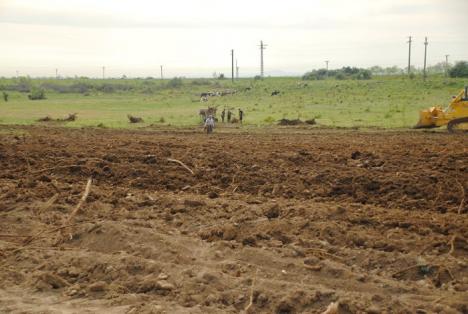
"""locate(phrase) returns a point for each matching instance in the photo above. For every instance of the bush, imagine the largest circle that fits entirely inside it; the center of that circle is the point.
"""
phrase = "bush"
(175, 82)
(5, 96)
(37, 94)
(460, 69)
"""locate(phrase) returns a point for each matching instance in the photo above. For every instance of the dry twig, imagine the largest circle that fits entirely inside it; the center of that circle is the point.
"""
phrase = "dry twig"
(53, 168)
(251, 293)
(452, 245)
(47, 204)
(462, 203)
(182, 164)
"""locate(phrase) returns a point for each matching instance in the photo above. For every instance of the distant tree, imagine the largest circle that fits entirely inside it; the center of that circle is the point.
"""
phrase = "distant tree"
(5, 96)
(437, 68)
(460, 69)
(364, 75)
(394, 70)
(221, 76)
(377, 70)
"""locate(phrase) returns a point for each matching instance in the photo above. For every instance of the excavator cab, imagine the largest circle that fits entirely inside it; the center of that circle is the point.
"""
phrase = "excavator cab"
(455, 116)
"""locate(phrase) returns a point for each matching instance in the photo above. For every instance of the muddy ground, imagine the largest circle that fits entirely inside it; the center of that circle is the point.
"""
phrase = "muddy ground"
(283, 221)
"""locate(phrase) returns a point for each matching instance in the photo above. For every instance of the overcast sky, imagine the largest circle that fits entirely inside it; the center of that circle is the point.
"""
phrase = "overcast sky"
(194, 38)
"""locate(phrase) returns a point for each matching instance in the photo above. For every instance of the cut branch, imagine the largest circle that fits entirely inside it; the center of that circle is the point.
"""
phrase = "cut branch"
(80, 203)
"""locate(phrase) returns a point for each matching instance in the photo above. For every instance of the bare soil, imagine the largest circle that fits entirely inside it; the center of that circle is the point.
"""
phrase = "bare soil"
(272, 222)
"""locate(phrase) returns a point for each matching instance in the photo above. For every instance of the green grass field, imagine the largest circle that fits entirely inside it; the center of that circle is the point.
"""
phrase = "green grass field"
(387, 102)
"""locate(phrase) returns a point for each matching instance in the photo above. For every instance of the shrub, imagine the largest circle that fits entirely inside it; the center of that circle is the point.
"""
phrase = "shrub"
(175, 82)
(37, 94)
(460, 69)
(5, 96)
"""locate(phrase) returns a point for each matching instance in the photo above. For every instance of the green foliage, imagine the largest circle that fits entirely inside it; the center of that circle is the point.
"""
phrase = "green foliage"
(5, 96)
(340, 74)
(460, 69)
(345, 103)
(175, 82)
(37, 94)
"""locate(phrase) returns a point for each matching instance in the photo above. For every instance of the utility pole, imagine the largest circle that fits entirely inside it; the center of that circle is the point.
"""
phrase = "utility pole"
(56, 74)
(232, 65)
(17, 73)
(409, 55)
(326, 62)
(262, 47)
(425, 56)
(237, 71)
(446, 65)
(103, 72)
(162, 77)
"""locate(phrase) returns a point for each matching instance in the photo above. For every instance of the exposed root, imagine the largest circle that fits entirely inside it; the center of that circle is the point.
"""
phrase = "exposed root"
(182, 164)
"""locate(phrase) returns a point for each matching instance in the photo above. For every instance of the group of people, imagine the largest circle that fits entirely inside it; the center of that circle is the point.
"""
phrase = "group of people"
(229, 115)
(210, 120)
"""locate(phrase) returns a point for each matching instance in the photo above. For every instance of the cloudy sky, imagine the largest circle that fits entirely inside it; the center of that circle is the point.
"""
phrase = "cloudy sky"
(194, 38)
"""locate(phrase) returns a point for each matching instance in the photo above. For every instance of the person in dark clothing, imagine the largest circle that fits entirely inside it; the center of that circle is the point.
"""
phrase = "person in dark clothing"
(229, 115)
(241, 115)
(223, 113)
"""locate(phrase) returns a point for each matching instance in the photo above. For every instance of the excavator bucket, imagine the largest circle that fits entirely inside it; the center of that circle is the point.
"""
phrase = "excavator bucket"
(428, 118)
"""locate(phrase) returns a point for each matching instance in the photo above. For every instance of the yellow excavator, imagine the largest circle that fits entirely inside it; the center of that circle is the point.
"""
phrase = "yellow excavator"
(455, 116)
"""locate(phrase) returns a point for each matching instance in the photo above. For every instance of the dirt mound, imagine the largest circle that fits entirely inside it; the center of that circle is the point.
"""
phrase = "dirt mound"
(276, 223)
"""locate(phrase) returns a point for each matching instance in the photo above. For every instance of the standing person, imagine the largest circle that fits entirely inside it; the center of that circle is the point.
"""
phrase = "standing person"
(209, 124)
(229, 116)
(223, 113)
(241, 115)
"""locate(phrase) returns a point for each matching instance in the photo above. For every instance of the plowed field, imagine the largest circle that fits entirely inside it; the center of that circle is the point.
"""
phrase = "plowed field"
(281, 221)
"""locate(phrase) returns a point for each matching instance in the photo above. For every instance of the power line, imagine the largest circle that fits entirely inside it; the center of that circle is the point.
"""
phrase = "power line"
(262, 47)
(409, 55)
